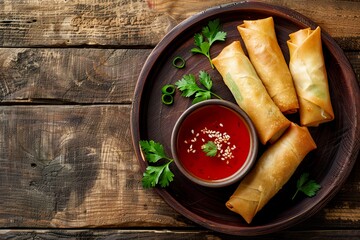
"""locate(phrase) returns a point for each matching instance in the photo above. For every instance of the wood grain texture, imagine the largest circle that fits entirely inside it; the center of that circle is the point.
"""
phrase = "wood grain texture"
(94, 22)
(142, 22)
(69, 75)
(172, 234)
(68, 69)
(73, 167)
(318, 11)
(76, 75)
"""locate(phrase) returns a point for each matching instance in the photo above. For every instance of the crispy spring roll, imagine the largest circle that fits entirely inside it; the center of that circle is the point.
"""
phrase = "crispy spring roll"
(271, 172)
(307, 67)
(249, 92)
(269, 62)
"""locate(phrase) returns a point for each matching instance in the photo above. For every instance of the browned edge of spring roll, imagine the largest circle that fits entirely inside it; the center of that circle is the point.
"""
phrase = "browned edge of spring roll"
(307, 66)
(271, 172)
(268, 60)
(249, 92)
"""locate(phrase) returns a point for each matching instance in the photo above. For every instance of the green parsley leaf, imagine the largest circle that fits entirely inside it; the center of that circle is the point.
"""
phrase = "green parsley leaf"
(154, 175)
(205, 80)
(210, 149)
(310, 188)
(302, 180)
(153, 151)
(212, 34)
(151, 176)
(306, 186)
(205, 47)
(201, 96)
(198, 39)
(219, 36)
(211, 29)
(167, 176)
(188, 86)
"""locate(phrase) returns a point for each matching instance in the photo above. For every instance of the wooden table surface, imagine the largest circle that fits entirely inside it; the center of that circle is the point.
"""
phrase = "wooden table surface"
(68, 74)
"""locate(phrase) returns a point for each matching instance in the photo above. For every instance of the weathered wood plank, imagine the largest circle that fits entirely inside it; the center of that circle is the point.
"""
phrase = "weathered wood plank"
(142, 22)
(69, 74)
(72, 75)
(318, 11)
(95, 22)
(173, 234)
(74, 166)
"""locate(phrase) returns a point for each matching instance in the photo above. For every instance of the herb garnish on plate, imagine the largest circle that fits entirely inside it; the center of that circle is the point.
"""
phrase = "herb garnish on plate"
(306, 186)
(212, 33)
(160, 174)
(188, 86)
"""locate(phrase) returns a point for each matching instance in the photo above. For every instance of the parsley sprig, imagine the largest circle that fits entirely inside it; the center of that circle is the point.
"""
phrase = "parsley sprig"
(188, 86)
(308, 187)
(210, 149)
(212, 34)
(154, 175)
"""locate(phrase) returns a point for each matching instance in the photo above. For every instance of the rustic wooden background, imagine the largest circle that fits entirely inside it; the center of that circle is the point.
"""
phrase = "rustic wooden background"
(68, 70)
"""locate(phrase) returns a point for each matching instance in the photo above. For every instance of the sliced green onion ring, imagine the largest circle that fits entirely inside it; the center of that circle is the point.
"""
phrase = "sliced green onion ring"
(168, 89)
(167, 99)
(178, 62)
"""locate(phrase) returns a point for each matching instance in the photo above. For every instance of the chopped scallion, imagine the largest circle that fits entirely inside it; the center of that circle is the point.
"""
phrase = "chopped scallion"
(178, 62)
(167, 99)
(168, 89)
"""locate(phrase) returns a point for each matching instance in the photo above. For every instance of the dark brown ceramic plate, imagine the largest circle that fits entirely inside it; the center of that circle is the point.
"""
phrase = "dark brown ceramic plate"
(338, 141)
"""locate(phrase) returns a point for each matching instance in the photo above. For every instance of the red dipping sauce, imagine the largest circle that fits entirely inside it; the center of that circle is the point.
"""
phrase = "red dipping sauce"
(224, 127)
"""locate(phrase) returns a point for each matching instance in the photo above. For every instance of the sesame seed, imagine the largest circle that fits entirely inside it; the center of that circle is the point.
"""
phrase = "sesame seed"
(221, 140)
